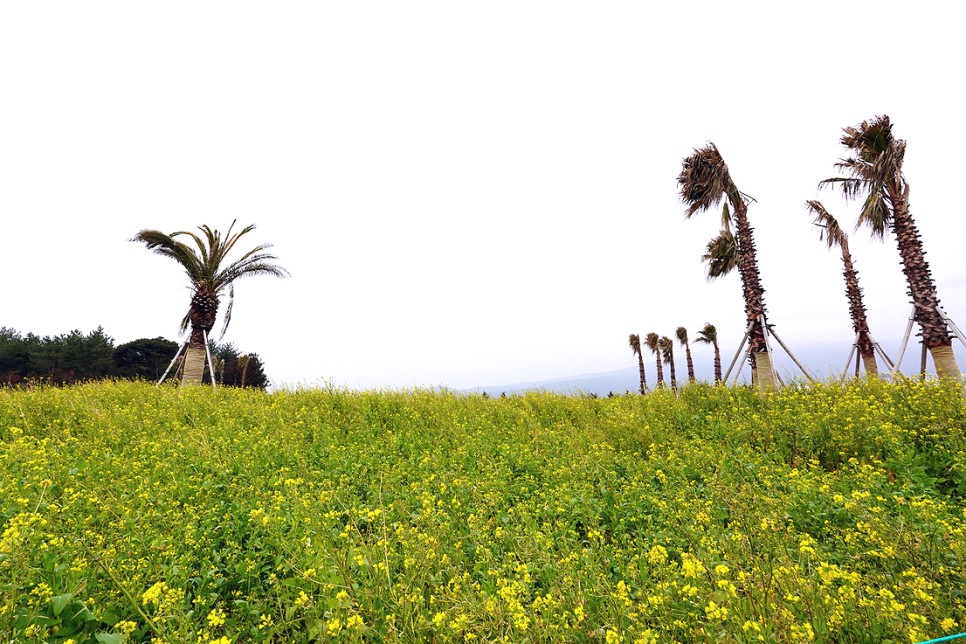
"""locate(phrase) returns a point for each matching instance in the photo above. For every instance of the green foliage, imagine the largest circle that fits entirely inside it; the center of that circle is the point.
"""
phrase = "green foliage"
(77, 357)
(146, 358)
(828, 512)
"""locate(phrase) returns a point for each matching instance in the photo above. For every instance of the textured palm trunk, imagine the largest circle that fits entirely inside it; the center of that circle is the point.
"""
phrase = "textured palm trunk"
(660, 370)
(670, 361)
(765, 371)
(753, 293)
(640, 365)
(922, 289)
(860, 322)
(202, 314)
(687, 353)
(194, 366)
(717, 362)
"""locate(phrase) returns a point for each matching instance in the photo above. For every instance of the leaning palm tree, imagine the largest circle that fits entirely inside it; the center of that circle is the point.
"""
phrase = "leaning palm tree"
(703, 183)
(709, 335)
(682, 336)
(635, 342)
(652, 341)
(875, 173)
(832, 234)
(667, 352)
(210, 277)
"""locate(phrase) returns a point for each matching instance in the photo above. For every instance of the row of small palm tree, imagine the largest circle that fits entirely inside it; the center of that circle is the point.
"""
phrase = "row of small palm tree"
(663, 349)
(874, 173)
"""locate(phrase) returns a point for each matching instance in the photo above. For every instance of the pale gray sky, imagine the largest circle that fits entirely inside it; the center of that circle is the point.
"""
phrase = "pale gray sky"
(464, 193)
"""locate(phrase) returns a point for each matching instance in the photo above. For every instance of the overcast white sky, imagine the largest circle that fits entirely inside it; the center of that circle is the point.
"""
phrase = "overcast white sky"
(464, 193)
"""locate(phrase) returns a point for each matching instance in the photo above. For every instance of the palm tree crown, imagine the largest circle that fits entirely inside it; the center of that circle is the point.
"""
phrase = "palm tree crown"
(709, 335)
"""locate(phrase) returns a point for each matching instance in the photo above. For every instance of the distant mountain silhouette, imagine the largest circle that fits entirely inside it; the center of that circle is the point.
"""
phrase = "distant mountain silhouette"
(824, 362)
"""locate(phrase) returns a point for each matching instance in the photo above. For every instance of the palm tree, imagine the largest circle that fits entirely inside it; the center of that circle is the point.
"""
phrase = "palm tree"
(652, 341)
(635, 342)
(833, 235)
(875, 172)
(703, 183)
(667, 351)
(209, 277)
(709, 335)
(682, 336)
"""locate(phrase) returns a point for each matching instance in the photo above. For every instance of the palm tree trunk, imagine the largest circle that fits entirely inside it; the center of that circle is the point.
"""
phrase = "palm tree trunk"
(946, 366)
(752, 291)
(764, 370)
(871, 366)
(194, 366)
(674, 379)
(935, 333)
(860, 322)
(687, 352)
(640, 364)
(717, 362)
(660, 370)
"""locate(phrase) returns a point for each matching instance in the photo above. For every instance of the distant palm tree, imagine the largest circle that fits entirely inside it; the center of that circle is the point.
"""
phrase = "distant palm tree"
(709, 335)
(833, 235)
(667, 351)
(635, 342)
(875, 173)
(703, 183)
(682, 336)
(652, 342)
(210, 277)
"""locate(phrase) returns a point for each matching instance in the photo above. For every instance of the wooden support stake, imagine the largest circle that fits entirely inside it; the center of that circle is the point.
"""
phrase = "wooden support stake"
(173, 360)
(738, 353)
(791, 355)
(848, 361)
(211, 366)
(952, 326)
(882, 353)
(905, 341)
(922, 367)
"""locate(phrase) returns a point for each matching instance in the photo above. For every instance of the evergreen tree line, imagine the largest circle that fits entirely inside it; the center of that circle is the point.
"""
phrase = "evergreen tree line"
(76, 356)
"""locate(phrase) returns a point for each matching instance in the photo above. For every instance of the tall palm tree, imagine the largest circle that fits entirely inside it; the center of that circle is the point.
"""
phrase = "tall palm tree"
(709, 335)
(703, 183)
(832, 234)
(682, 336)
(210, 276)
(875, 173)
(652, 341)
(635, 342)
(667, 352)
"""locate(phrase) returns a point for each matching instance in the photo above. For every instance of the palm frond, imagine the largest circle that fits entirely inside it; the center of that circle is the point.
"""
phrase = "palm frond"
(635, 343)
(667, 348)
(704, 180)
(682, 335)
(651, 340)
(829, 230)
(708, 334)
(721, 254)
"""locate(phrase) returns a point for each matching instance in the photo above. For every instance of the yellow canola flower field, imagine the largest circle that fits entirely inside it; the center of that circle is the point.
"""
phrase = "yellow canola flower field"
(823, 513)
